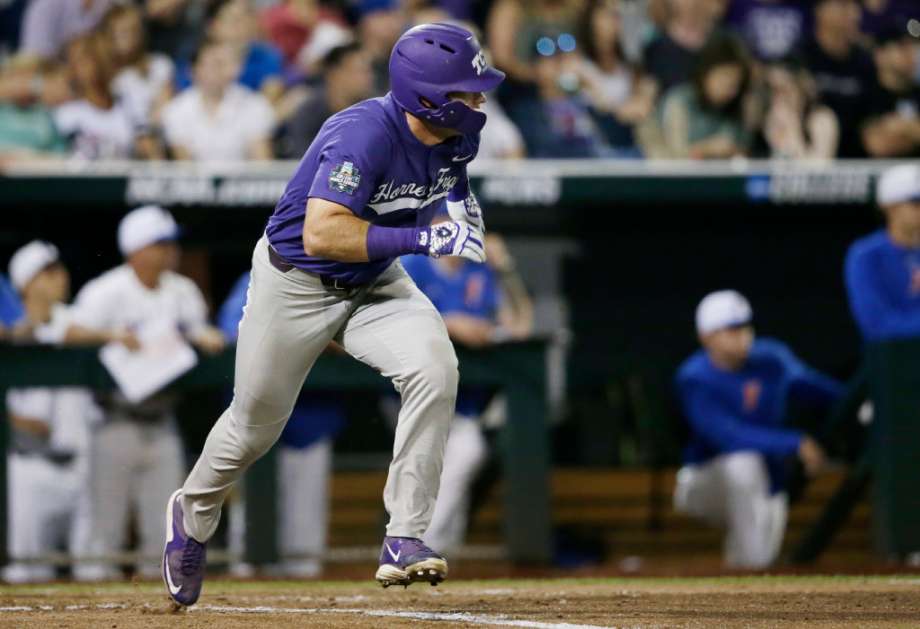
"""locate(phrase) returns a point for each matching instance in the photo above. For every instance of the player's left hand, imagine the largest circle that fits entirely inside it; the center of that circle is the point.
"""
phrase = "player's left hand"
(467, 211)
(210, 340)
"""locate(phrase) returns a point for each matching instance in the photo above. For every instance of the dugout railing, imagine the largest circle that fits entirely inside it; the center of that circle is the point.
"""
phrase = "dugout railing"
(517, 369)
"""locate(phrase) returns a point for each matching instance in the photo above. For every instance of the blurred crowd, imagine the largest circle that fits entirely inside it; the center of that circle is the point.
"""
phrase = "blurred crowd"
(228, 80)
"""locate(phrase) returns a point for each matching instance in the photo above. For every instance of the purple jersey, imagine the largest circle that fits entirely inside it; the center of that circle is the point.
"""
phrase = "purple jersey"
(772, 30)
(366, 158)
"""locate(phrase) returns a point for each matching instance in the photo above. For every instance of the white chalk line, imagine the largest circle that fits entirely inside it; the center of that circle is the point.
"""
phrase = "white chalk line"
(463, 617)
(458, 617)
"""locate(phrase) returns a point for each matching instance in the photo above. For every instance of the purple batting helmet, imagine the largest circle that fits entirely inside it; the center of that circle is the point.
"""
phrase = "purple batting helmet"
(432, 60)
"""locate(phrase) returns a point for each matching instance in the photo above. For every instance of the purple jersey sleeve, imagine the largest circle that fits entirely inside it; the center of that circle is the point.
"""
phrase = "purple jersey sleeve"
(350, 164)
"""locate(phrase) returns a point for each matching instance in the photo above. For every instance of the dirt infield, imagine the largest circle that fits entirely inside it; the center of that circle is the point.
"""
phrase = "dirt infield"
(539, 604)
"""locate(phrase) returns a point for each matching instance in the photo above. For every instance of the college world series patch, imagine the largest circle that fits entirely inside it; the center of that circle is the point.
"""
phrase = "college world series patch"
(345, 178)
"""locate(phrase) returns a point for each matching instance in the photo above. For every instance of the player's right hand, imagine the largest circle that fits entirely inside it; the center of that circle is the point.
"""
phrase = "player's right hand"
(453, 238)
(812, 456)
(126, 338)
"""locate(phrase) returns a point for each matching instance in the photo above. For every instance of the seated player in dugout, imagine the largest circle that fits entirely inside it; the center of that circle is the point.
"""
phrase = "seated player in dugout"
(481, 304)
(733, 393)
(883, 269)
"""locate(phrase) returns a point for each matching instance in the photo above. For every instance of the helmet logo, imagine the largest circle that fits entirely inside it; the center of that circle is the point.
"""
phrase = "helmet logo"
(479, 63)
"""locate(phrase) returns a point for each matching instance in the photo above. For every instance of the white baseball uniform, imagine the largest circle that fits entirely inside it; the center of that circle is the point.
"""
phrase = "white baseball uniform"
(137, 456)
(47, 508)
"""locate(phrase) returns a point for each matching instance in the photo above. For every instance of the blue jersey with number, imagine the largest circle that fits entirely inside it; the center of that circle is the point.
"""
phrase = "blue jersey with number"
(732, 411)
(883, 283)
(366, 158)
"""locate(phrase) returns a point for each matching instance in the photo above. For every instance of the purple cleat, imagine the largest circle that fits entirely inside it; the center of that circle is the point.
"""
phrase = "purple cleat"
(405, 560)
(183, 557)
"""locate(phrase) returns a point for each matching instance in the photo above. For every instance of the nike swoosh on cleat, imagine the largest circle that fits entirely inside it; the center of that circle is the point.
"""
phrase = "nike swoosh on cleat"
(173, 588)
(395, 556)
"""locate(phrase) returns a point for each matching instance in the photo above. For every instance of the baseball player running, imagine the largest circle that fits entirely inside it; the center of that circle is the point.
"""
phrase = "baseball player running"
(364, 194)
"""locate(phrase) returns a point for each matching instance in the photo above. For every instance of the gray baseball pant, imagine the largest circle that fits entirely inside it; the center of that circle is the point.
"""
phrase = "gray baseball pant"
(288, 321)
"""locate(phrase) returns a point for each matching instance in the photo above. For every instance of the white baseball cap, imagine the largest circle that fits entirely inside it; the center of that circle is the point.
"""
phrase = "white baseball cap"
(899, 184)
(30, 260)
(145, 226)
(722, 309)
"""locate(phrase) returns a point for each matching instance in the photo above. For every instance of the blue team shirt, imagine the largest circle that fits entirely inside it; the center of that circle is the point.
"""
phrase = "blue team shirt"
(316, 415)
(746, 409)
(472, 290)
(10, 305)
(366, 159)
(883, 284)
(262, 62)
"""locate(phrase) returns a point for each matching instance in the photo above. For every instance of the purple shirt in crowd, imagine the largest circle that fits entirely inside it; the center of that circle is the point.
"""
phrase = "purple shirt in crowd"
(771, 30)
(366, 158)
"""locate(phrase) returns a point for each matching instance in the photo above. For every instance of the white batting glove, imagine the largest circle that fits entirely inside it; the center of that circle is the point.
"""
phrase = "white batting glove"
(467, 211)
(453, 238)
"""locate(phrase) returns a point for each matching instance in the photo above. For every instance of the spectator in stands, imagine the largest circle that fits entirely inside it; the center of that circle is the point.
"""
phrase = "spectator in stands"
(844, 73)
(49, 430)
(705, 118)
(27, 129)
(878, 15)
(514, 26)
(235, 23)
(143, 80)
(347, 79)
(796, 125)
(500, 138)
(671, 57)
(95, 124)
(326, 36)
(48, 25)
(734, 392)
(621, 96)
(557, 122)
(380, 23)
(771, 29)
(883, 269)
(216, 119)
(894, 129)
(304, 464)
(482, 304)
(174, 27)
(137, 453)
(291, 24)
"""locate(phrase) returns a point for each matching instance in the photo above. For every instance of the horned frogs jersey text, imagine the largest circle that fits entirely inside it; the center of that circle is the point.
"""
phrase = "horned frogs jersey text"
(366, 158)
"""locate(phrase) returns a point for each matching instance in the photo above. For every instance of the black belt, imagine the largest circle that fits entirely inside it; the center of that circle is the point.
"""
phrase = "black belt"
(60, 459)
(331, 283)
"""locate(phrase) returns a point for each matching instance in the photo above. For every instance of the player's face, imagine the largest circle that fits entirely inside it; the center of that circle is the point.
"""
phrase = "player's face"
(474, 100)
(158, 257)
(730, 346)
(904, 219)
(52, 285)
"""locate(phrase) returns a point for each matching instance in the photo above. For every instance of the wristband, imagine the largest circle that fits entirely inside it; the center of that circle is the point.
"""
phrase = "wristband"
(392, 242)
